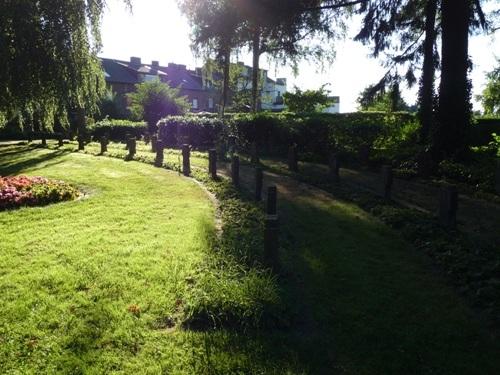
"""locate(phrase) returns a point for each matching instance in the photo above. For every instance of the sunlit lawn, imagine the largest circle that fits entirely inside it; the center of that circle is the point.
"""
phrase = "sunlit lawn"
(86, 284)
(95, 285)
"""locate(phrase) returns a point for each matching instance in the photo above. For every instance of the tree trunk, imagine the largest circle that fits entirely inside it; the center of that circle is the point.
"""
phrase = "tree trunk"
(454, 103)
(255, 70)
(226, 72)
(426, 91)
(81, 121)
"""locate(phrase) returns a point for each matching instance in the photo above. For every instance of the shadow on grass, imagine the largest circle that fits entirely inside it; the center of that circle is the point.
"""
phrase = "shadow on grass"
(370, 302)
(353, 298)
(21, 158)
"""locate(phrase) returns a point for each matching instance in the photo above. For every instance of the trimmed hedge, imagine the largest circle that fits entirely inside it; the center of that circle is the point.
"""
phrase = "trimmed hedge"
(316, 135)
(200, 132)
(118, 130)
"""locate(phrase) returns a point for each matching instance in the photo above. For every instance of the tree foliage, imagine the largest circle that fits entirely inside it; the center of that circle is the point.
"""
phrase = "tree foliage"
(49, 62)
(385, 101)
(490, 97)
(407, 33)
(154, 100)
(307, 101)
(284, 30)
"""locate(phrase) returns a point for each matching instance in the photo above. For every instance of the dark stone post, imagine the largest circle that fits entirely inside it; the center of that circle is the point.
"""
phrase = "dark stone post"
(44, 139)
(292, 159)
(387, 181)
(186, 165)
(104, 144)
(364, 154)
(235, 170)
(448, 205)
(154, 140)
(272, 200)
(259, 178)
(127, 140)
(271, 241)
(60, 140)
(212, 163)
(497, 177)
(159, 153)
(81, 143)
(424, 164)
(254, 154)
(132, 147)
(334, 168)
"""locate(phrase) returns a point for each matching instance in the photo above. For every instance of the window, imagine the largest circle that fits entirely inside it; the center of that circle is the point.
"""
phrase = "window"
(210, 103)
(195, 103)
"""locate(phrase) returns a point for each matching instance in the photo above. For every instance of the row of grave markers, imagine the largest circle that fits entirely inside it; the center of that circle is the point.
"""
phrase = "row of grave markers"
(448, 200)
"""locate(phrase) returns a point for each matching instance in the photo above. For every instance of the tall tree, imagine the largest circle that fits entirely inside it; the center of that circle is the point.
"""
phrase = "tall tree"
(286, 31)
(417, 25)
(49, 62)
(430, 60)
(214, 33)
(406, 31)
(454, 89)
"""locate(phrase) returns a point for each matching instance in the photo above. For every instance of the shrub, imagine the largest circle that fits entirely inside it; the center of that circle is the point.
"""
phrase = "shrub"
(198, 131)
(117, 130)
(33, 191)
(316, 135)
(153, 100)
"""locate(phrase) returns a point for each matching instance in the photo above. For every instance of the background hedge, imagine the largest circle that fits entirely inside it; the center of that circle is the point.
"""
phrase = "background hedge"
(354, 135)
(118, 130)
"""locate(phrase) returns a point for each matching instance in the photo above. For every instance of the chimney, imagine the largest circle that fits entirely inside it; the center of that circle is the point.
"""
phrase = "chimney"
(155, 64)
(135, 60)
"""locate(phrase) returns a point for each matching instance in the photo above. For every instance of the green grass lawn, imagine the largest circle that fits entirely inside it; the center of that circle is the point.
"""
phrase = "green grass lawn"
(72, 274)
(373, 305)
(101, 285)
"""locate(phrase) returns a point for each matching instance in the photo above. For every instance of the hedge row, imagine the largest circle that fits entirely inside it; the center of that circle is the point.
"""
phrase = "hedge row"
(118, 130)
(352, 134)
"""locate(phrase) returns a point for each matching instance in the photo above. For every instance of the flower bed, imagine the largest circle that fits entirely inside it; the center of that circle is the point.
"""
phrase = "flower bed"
(21, 191)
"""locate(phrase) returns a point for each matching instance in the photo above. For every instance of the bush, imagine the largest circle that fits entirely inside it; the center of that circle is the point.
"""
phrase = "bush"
(118, 130)
(33, 191)
(153, 100)
(316, 134)
(198, 131)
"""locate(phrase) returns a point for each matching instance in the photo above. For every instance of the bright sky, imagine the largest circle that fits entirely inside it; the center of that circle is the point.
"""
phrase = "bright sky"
(156, 30)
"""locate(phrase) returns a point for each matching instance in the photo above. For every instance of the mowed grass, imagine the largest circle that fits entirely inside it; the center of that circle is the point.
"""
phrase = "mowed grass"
(87, 285)
(103, 285)
(371, 304)
(95, 286)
